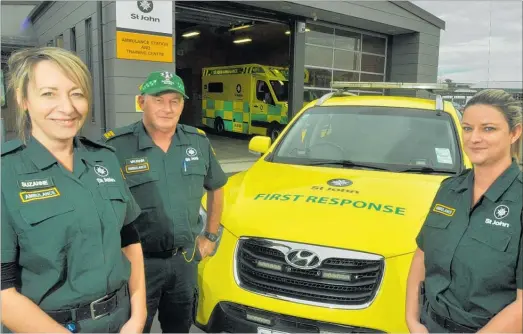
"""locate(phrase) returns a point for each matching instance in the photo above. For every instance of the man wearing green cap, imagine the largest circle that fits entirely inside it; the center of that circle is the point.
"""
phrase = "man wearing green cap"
(167, 166)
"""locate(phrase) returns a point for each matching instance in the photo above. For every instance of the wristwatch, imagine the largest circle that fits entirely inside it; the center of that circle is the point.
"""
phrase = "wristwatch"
(211, 236)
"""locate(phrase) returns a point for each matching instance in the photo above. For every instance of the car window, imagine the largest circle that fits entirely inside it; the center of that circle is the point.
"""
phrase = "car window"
(397, 138)
(281, 89)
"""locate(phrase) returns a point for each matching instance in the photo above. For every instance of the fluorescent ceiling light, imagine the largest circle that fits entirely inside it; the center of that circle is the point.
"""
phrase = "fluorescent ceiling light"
(240, 27)
(242, 40)
(191, 34)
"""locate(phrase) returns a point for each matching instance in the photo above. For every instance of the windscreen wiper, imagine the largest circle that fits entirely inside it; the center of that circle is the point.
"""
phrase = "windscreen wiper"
(345, 163)
(426, 170)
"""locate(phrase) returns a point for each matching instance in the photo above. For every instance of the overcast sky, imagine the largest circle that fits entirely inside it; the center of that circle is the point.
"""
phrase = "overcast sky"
(464, 49)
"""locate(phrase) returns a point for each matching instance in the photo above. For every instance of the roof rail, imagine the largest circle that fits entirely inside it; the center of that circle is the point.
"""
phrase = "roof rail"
(343, 88)
(327, 96)
(389, 85)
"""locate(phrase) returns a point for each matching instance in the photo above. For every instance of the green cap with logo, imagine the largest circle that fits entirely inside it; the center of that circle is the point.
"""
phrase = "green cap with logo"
(164, 81)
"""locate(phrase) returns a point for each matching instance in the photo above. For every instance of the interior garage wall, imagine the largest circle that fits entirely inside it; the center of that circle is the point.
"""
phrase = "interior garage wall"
(196, 53)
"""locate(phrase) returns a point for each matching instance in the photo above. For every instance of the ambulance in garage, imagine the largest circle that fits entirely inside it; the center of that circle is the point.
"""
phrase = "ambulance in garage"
(318, 235)
(250, 99)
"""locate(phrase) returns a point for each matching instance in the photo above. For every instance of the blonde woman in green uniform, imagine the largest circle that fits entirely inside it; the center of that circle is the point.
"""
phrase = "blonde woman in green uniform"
(467, 274)
(71, 257)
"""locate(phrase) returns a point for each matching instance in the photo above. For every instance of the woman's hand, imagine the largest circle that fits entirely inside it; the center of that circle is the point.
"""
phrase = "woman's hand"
(133, 325)
(417, 327)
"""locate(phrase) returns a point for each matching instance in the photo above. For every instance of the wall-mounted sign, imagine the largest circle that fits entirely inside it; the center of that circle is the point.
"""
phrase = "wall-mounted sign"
(137, 46)
(144, 30)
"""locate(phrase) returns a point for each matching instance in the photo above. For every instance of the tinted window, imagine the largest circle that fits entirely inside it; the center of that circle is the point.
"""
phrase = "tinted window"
(281, 90)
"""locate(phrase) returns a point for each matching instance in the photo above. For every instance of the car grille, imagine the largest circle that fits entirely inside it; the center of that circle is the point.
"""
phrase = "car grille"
(342, 280)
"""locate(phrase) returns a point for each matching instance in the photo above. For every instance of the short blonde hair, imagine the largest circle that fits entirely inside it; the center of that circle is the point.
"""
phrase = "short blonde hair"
(21, 66)
(508, 106)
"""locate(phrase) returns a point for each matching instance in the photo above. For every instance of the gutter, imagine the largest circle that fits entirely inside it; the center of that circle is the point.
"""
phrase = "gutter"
(39, 9)
(101, 67)
(421, 13)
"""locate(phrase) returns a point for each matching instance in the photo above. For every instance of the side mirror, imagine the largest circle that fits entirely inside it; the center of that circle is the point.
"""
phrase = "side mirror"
(259, 144)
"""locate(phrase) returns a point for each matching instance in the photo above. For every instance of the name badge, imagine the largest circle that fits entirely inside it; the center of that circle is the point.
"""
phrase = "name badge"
(36, 184)
(35, 195)
(444, 210)
(136, 165)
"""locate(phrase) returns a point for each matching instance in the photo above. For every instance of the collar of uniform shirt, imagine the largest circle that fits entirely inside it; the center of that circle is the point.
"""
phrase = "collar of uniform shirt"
(86, 155)
(38, 154)
(145, 141)
(503, 182)
(498, 187)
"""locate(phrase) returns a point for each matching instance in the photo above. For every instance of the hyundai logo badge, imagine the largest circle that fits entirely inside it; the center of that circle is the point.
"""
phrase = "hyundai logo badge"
(302, 259)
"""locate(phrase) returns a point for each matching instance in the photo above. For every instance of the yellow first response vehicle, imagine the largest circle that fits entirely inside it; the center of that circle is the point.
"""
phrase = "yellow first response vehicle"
(318, 235)
(250, 99)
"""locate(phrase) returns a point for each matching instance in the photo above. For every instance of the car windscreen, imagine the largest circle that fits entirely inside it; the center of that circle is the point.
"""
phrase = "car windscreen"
(391, 138)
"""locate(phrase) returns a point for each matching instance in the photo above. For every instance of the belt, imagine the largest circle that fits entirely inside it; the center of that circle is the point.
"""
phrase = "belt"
(94, 310)
(164, 254)
(450, 325)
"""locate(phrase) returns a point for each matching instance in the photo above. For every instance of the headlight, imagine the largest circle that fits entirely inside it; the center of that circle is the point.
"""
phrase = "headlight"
(203, 217)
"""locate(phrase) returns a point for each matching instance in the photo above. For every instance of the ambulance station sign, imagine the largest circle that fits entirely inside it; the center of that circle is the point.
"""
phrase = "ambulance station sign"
(144, 30)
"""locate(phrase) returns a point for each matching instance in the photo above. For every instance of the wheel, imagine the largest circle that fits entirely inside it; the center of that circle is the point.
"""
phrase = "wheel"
(218, 125)
(274, 131)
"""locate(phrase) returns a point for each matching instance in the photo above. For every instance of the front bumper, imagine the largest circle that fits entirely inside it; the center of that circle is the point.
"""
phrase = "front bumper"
(223, 305)
(236, 318)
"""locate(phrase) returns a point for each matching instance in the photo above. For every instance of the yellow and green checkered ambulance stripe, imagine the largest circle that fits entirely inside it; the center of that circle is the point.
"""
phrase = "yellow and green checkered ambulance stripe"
(238, 112)
(229, 111)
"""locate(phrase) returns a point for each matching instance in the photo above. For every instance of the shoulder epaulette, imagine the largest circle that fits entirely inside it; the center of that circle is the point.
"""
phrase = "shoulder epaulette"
(118, 132)
(92, 143)
(11, 146)
(192, 129)
(456, 179)
(465, 171)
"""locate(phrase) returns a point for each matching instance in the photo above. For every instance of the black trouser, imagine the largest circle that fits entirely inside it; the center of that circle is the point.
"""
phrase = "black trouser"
(172, 289)
(112, 322)
(438, 324)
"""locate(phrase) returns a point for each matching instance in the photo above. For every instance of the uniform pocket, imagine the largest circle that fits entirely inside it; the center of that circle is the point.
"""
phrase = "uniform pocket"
(194, 175)
(497, 240)
(36, 216)
(145, 188)
(47, 235)
(438, 222)
(118, 199)
(134, 180)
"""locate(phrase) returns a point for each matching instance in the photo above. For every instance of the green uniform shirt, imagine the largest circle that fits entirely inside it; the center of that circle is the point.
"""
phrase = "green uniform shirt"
(168, 186)
(474, 255)
(61, 227)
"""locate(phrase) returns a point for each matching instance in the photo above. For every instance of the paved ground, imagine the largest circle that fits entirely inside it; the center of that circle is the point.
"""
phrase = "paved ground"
(232, 151)
(157, 329)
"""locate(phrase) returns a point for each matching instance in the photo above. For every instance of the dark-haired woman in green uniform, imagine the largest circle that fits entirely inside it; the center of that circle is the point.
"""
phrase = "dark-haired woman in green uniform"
(468, 269)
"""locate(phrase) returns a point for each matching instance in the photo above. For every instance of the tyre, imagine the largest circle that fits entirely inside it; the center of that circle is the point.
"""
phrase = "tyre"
(219, 126)
(274, 131)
